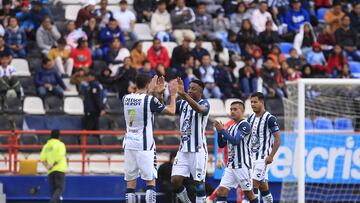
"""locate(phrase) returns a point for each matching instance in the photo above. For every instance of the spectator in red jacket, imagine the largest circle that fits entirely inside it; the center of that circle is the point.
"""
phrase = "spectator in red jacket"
(81, 55)
(158, 54)
(335, 61)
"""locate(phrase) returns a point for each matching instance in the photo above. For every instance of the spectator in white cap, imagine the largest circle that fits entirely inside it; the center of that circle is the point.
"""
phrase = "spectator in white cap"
(85, 13)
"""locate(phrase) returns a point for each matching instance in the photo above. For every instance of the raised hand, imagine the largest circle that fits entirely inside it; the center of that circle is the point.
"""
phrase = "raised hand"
(181, 90)
(173, 87)
(152, 85)
(218, 125)
(160, 85)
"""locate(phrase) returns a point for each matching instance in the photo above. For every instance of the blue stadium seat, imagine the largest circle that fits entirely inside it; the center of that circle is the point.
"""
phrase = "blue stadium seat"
(321, 123)
(285, 48)
(308, 124)
(320, 14)
(355, 68)
(343, 124)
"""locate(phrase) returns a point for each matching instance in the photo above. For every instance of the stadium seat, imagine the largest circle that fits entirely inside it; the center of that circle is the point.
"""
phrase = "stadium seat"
(29, 139)
(28, 86)
(320, 14)
(93, 140)
(75, 164)
(21, 66)
(66, 2)
(34, 105)
(114, 106)
(275, 106)
(4, 123)
(146, 46)
(308, 124)
(71, 12)
(13, 105)
(217, 107)
(343, 124)
(40, 166)
(355, 68)
(43, 139)
(285, 48)
(74, 106)
(164, 123)
(119, 122)
(248, 109)
(323, 124)
(208, 46)
(54, 105)
(70, 140)
(142, 31)
(71, 89)
(228, 104)
(117, 164)
(99, 163)
(170, 46)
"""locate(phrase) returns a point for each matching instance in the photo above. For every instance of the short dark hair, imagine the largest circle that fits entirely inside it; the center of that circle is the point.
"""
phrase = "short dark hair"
(201, 4)
(142, 80)
(259, 95)
(45, 60)
(240, 102)
(123, 2)
(61, 41)
(55, 134)
(161, 2)
(199, 82)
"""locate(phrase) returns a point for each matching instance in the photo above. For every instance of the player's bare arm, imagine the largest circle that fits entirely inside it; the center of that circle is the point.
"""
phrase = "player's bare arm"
(277, 142)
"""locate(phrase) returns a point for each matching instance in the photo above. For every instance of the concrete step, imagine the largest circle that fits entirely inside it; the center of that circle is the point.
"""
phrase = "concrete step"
(2, 198)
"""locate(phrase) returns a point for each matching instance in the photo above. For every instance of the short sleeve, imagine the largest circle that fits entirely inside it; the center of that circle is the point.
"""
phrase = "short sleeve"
(156, 105)
(178, 105)
(272, 124)
(205, 104)
(245, 128)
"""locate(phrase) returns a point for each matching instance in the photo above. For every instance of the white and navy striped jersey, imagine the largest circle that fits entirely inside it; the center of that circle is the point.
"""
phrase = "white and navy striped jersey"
(192, 126)
(138, 112)
(262, 130)
(240, 154)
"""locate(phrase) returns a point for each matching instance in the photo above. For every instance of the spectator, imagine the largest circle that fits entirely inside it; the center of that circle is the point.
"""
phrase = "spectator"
(47, 35)
(220, 53)
(35, 17)
(116, 55)
(189, 73)
(79, 77)
(198, 51)
(270, 75)
(322, 4)
(94, 103)
(347, 38)
(81, 55)
(3, 47)
(143, 10)
(289, 73)
(111, 31)
(137, 55)
(317, 59)
(233, 46)
(85, 13)
(147, 70)
(296, 16)
(327, 39)
(9, 83)
(103, 13)
(259, 18)
(268, 38)
(179, 53)
(247, 34)
(333, 16)
(73, 35)
(355, 18)
(15, 38)
(294, 61)
(345, 72)
(126, 20)
(107, 80)
(307, 71)
(225, 80)
(183, 20)
(336, 61)
(6, 12)
(208, 74)
(161, 23)
(257, 58)
(204, 23)
(304, 39)
(126, 78)
(158, 54)
(48, 81)
(277, 56)
(237, 17)
(248, 80)
(221, 24)
(93, 35)
(61, 56)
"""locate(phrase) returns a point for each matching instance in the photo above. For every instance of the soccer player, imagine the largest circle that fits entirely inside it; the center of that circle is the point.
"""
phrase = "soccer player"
(192, 155)
(238, 170)
(139, 145)
(265, 141)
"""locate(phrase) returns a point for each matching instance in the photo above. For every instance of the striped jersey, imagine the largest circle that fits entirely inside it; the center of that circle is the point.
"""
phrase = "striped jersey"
(138, 112)
(262, 130)
(239, 156)
(192, 126)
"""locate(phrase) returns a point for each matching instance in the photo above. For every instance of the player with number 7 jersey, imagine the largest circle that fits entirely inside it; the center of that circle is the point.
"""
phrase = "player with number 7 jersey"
(139, 144)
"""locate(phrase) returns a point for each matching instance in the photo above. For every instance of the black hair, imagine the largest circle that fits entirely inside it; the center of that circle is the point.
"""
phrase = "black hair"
(45, 60)
(187, 57)
(161, 2)
(218, 45)
(142, 80)
(61, 41)
(201, 4)
(241, 103)
(123, 2)
(55, 134)
(259, 95)
(112, 19)
(199, 82)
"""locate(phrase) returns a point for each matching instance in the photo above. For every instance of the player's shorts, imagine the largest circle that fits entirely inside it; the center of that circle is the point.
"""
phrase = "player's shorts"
(193, 163)
(140, 163)
(260, 170)
(232, 177)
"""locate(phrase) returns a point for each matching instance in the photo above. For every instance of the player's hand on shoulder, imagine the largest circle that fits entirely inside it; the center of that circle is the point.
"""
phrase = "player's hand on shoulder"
(269, 160)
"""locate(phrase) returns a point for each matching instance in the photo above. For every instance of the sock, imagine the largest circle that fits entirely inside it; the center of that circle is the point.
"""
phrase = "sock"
(182, 195)
(221, 200)
(200, 199)
(130, 195)
(213, 195)
(256, 200)
(150, 196)
(200, 193)
(256, 193)
(267, 197)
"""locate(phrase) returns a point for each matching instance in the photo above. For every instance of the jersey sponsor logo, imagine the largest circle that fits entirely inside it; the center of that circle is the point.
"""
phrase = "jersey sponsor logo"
(132, 102)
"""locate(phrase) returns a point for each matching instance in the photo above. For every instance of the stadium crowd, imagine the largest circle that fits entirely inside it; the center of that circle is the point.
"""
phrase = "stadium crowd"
(248, 41)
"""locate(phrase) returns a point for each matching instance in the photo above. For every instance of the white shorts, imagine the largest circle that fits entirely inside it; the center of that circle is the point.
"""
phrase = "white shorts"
(193, 163)
(140, 163)
(260, 170)
(232, 177)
